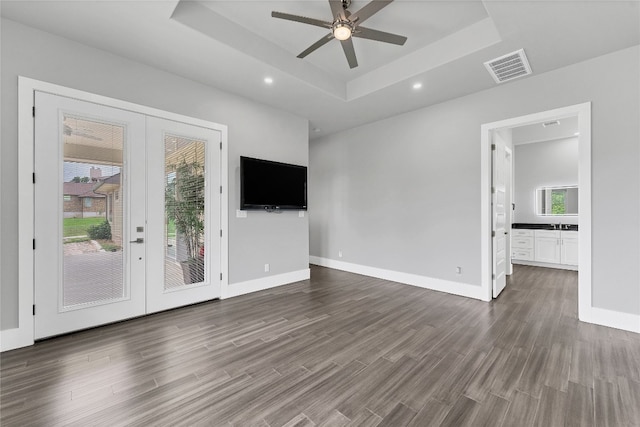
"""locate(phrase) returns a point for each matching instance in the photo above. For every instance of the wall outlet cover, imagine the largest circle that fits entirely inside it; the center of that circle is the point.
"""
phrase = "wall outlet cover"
(241, 214)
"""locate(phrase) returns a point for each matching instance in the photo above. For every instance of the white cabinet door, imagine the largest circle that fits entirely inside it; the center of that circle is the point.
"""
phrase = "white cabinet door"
(569, 252)
(547, 249)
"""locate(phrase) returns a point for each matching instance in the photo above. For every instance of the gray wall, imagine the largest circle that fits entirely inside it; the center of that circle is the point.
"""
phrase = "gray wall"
(404, 193)
(543, 164)
(254, 130)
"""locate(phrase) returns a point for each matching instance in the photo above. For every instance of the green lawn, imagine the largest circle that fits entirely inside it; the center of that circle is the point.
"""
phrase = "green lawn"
(171, 229)
(78, 226)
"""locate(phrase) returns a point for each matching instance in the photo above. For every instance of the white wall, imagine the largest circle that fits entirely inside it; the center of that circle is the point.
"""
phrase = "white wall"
(543, 164)
(254, 130)
(403, 194)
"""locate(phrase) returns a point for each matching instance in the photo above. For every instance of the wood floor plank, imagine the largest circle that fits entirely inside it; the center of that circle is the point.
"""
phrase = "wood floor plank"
(462, 413)
(400, 415)
(427, 379)
(506, 379)
(630, 396)
(532, 378)
(335, 419)
(552, 410)
(338, 349)
(314, 401)
(608, 404)
(522, 410)
(581, 369)
(366, 418)
(480, 385)
(580, 410)
(378, 380)
(491, 413)
(558, 366)
(299, 420)
(454, 385)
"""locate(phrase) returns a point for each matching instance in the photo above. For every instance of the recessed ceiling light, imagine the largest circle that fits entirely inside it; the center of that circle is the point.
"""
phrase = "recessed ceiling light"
(417, 86)
(576, 134)
(268, 80)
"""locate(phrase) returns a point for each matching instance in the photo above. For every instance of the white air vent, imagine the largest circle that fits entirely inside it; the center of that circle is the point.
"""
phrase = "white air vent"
(509, 66)
(553, 123)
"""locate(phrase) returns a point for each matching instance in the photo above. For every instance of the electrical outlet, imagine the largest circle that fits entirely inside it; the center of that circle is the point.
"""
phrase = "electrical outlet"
(241, 214)
(300, 214)
(458, 270)
(266, 268)
(339, 254)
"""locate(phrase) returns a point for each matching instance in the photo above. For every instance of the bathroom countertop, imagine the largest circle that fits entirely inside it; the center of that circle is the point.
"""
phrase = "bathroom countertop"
(565, 227)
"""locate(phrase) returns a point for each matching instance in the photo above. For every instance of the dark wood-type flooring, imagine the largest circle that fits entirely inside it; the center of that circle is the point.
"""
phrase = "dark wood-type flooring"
(339, 349)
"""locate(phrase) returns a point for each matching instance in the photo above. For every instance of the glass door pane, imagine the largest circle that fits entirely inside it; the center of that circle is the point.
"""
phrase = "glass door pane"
(184, 211)
(92, 218)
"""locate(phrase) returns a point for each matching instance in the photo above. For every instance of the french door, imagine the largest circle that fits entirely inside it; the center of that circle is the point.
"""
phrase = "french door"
(108, 243)
(183, 249)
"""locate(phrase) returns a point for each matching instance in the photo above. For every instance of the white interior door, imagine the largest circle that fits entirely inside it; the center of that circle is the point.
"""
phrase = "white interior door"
(89, 206)
(184, 240)
(509, 207)
(499, 213)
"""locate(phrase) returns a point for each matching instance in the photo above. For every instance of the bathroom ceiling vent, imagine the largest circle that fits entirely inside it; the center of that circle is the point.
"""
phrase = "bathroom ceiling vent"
(508, 67)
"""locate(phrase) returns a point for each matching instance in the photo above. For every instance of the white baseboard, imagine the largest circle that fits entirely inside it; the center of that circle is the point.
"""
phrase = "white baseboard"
(11, 339)
(545, 264)
(455, 288)
(241, 288)
(613, 319)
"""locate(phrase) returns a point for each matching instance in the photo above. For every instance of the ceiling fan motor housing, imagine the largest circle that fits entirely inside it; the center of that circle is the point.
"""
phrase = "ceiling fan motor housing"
(342, 29)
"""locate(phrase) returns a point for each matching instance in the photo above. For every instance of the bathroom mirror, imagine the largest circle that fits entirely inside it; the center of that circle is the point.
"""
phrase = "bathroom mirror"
(557, 201)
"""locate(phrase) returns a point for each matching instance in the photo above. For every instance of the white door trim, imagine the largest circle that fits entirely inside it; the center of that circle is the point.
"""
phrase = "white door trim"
(583, 111)
(23, 335)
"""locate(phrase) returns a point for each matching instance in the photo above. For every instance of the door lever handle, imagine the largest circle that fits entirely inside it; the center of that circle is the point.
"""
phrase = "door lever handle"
(138, 240)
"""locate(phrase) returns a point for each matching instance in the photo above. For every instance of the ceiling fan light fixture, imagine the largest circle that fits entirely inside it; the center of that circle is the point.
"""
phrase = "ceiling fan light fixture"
(342, 30)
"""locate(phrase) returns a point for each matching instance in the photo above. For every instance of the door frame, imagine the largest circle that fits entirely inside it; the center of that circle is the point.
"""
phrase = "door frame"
(583, 111)
(23, 335)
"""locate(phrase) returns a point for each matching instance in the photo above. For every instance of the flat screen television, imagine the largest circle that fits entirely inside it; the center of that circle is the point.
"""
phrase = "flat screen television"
(272, 186)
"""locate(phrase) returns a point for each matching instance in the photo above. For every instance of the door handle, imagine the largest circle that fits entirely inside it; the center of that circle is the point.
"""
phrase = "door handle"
(138, 240)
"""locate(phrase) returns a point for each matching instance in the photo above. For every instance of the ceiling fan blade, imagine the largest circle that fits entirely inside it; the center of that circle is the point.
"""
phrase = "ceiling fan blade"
(326, 39)
(349, 52)
(368, 11)
(336, 9)
(380, 36)
(302, 19)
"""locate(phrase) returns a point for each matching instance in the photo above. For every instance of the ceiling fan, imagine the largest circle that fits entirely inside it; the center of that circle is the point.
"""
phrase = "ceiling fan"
(345, 25)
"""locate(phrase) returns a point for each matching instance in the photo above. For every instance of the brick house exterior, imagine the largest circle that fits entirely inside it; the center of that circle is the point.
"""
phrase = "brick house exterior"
(81, 202)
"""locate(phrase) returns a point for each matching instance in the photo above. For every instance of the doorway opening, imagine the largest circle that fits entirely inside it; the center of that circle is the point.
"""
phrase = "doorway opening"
(493, 135)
